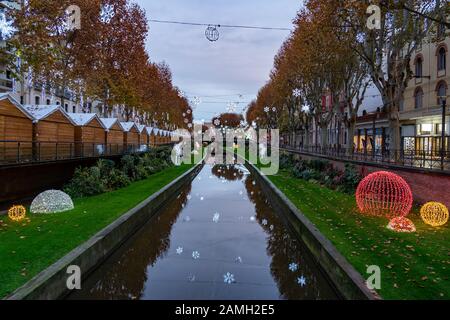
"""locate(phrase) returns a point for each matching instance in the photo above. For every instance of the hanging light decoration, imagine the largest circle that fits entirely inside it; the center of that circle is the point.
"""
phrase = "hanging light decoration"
(434, 213)
(384, 194)
(212, 33)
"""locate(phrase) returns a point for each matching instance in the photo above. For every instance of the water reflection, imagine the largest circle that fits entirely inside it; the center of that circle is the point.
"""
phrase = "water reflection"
(220, 239)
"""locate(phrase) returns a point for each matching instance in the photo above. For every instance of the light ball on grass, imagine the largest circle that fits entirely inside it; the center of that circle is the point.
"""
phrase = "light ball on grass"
(384, 194)
(401, 224)
(17, 213)
(434, 213)
(51, 201)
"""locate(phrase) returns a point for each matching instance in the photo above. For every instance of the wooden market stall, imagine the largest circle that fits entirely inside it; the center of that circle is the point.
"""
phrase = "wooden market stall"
(130, 136)
(53, 132)
(16, 131)
(114, 135)
(89, 135)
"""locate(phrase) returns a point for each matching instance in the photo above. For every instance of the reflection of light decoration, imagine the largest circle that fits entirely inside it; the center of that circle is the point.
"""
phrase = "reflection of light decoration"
(51, 201)
(211, 33)
(401, 224)
(384, 194)
(301, 281)
(434, 214)
(228, 278)
(17, 213)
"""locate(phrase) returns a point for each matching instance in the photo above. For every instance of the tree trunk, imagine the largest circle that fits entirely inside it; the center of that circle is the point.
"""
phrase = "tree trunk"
(350, 136)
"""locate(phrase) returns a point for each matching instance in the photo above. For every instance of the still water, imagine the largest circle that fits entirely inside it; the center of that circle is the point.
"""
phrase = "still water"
(218, 239)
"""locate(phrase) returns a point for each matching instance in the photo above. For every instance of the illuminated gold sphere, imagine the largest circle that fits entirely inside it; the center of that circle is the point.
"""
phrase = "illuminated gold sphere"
(17, 213)
(434, 214)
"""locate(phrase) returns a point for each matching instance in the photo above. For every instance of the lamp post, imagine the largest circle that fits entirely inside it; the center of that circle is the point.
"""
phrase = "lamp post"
(444, 106)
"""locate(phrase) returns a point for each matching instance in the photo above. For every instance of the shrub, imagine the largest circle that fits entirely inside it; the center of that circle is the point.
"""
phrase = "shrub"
(351, 178)
(85, 182)
(287, 161)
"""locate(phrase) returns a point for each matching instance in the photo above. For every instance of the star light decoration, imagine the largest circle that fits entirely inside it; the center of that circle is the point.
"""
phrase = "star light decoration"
(228, 278)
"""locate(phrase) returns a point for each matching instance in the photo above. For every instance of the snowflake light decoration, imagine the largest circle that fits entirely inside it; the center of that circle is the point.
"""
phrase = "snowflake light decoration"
(191, 278)
(196, 101)
(293, 266)
(231, 107)
(51, 201)
(301, 281)
(264, 222)
(6, 27)
(297, 93)
(216, 217)
(107, 13)
(195, 255)
(217, 122)
(179, 250)
(187, 219)
(266, 109)
(228, 278)
(238, 260)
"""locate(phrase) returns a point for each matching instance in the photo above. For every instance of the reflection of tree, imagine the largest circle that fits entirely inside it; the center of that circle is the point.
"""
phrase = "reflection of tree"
(229, 172)
(126, 277)
(284, 250)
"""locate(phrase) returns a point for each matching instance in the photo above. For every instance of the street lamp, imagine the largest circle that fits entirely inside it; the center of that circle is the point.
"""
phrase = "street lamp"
(444, 106)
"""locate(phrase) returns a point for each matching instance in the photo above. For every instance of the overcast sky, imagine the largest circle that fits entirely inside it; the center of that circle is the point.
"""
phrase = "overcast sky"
(238, 64)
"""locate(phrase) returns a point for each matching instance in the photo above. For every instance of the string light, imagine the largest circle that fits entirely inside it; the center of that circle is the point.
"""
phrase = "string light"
(384, 194)
(17, 213)
(434, 213)
(401, 224)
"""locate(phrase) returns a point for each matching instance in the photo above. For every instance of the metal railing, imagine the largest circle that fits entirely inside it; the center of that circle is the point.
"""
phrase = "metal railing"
(20, 152)
(422, 159)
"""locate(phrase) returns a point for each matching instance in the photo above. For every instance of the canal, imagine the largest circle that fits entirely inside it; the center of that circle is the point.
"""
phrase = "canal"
(219, 238)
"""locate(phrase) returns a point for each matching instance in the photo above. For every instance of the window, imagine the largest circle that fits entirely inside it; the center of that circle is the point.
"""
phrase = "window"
(418, 98)
(442, 59)
(21, 100)
(37, 100)
(66, 107)
(419, 67)
(441, 92)
(426, 128)
(58, 103)
(48, 101)
(74, 108)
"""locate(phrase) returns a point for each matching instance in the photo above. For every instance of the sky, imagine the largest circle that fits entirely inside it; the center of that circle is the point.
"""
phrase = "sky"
(230, 70)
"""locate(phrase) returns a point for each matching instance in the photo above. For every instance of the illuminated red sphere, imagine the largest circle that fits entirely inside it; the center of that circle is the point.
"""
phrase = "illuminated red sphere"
(384, 194)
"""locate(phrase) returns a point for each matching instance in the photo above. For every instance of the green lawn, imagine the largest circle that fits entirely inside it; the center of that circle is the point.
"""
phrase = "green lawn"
(413, 266)
(29, 247)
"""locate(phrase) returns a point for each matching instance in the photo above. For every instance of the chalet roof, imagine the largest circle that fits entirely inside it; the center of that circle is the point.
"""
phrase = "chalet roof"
(10, 98)
(82, 119)
(40, 112)
(140, 127)
(109, 122)
(128, 125)
(149, 130)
